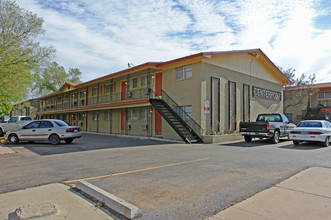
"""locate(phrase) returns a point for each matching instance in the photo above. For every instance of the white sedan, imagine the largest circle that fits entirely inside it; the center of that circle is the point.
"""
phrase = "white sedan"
(51, 130)
(312, 130)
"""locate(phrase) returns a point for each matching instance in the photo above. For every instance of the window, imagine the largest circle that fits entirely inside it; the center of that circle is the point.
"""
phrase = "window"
(108, 115)
(187, 109)
(80, 116)
(64, 117)
(26, 119)
(59, 99)
(46, 124)
(95, 116)
(144, 80)
(184, 72)
(82, 95)
(109, 88)
(13, 120)
(61, 123)
(314, 124)
(324, 95)
(132, 114)
(96, 90)
(143, 114)
(133, 83)
(32, 125)
(65, 98)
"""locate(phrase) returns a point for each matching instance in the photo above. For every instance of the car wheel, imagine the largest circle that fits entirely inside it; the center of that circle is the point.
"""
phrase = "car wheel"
(68, 141)
(13, 139)
(275, 138)
(1, 132)
(326, 142)
(54, 139)
(296, 142)
(248, 138)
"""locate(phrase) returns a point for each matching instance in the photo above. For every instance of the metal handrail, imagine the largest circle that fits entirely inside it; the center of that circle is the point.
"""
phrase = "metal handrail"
(193, 125)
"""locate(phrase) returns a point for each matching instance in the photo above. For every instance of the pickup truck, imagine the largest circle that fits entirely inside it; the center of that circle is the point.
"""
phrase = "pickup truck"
(14, 123)
(271, 126)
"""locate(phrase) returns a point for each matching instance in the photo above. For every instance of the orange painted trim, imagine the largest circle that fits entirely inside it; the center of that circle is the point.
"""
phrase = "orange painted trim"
(99, 106)
(324, 88)
(134, 69)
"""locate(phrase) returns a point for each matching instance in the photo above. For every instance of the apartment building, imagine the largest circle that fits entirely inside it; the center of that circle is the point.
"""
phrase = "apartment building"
(184, 98)
(313, 102)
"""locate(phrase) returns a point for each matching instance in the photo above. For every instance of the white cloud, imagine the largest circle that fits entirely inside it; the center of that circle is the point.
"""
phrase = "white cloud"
(101, 37)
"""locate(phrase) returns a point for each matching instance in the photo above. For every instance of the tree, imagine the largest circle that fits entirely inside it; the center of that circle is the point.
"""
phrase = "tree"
(52, 77)
(20, 52)
(299, 90)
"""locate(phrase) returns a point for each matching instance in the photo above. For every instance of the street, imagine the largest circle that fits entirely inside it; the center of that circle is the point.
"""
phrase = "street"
(165, 180)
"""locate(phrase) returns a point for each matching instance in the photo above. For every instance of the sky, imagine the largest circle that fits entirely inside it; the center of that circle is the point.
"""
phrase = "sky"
(101, 37)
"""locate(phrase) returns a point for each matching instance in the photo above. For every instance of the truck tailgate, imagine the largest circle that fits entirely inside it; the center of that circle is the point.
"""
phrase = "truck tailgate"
(253, 126)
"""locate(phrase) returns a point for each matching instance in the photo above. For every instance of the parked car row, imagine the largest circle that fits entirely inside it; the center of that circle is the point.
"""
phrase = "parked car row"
(274, 126)
(51, 130)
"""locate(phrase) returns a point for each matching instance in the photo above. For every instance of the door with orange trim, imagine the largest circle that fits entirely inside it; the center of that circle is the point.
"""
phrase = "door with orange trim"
(158, 84)
(123, 90)
(122, 120)
(158, 122)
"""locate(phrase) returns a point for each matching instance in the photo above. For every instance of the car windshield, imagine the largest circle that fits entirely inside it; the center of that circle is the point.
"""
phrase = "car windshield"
(13, 119)
(269, 118)
(61, 123)
(315, 124)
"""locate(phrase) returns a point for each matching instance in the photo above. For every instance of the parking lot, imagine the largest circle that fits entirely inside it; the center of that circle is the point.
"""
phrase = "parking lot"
(166, 180)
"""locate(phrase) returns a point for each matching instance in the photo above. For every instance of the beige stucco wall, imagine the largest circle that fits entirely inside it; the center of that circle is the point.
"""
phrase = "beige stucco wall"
(244, 63)
(257, 105)
(184, 92)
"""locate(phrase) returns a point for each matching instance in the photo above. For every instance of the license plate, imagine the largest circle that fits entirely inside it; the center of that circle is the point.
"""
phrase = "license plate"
(304, 132)
(252, 133)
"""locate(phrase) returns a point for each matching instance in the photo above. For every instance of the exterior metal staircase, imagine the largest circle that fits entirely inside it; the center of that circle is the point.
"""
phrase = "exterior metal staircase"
(177, 118)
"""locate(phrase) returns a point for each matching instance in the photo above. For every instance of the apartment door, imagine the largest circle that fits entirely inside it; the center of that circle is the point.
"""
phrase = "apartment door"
(158, 122)
(123, 90)
(122, 120)
(158, 84)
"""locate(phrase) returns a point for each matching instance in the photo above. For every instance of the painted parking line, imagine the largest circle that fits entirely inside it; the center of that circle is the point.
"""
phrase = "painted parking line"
(136, 171)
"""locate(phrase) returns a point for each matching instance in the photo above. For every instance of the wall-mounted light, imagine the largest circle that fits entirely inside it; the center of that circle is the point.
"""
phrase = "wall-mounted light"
(153, 77)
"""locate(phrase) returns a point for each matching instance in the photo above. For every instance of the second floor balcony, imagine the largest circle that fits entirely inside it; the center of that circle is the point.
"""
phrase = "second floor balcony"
(96, 100)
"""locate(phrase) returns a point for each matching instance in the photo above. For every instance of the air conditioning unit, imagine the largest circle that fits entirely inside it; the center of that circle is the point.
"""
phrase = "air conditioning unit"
(146, 91)
(128, 94)
(144, 127)
(127, 127)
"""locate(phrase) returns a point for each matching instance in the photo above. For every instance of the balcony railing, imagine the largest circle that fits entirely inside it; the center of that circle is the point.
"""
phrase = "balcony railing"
(119, 97)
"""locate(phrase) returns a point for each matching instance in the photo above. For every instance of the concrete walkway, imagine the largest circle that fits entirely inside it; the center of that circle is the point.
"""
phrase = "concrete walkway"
(53, 201)
(306, 195)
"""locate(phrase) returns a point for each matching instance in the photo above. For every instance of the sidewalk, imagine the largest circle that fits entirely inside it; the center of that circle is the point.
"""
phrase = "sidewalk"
(5, 150)
(306, 195)
(53, 201)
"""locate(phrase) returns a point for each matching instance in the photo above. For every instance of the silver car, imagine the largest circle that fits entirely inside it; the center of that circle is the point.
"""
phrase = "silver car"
(52, 130)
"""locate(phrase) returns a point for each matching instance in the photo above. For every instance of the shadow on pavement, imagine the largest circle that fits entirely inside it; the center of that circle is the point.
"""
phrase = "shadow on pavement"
(303, 146)
(253, 143)
(87, 142)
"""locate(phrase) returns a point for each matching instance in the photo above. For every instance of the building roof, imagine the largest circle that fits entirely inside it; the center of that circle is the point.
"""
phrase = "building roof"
(195, 57)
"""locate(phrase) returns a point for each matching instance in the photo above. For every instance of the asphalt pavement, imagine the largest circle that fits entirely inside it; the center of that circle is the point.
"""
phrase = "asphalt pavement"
(165, 180)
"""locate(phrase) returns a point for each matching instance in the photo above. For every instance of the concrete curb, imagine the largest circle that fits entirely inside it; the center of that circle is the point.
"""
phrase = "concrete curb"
(118, 205)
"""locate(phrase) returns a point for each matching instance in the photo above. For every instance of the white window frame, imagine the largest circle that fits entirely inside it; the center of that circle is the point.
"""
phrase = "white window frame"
(132, 114)
(108, 115)
(183, 72)
(133, 83)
